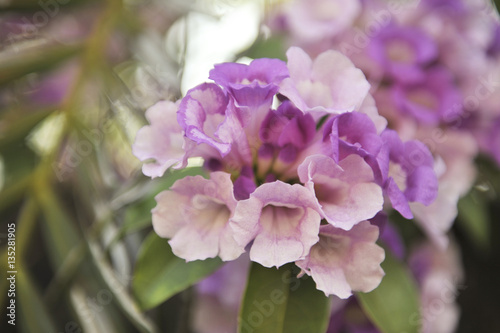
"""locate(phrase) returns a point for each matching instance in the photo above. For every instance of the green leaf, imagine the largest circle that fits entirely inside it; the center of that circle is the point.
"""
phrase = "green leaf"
(272, 47)
(276, 301)
(308, 309)
(19, 162)
(159, 274)
(474, 219)
(34, 316)
(394, 305)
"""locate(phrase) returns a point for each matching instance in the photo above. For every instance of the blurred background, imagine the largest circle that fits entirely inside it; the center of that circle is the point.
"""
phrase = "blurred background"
(76, 77)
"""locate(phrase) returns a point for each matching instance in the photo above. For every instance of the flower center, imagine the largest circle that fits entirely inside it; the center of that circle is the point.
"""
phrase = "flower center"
(400, 51)
(281, 220)
(208, 212)
(423, 97)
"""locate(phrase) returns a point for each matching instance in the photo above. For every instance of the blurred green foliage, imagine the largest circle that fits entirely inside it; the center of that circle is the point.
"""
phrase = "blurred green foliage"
(69, 181)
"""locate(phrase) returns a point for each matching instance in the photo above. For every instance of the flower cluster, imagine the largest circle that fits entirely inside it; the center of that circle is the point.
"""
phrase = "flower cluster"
(298, 161)
(432, 66)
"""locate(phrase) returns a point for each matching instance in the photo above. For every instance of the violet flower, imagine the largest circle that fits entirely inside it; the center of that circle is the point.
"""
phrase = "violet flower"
(403, 52)
(251, 85)
(432, 100)
(411, 175)
(202, 115)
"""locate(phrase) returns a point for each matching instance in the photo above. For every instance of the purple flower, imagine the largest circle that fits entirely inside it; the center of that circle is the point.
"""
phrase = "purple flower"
(346, 193)
(203, 116)
(330, 83)
(281, 220)
(345, 261)
(432, 100)
(403, 52)
(286, 131)
(251, 85)
(389, 235)
(411, 174)
(54, 86)
(447, 7)
(287, 125)
(244, 185)
(195, 215)
(345, 163)
(161, 141)
(352, 133)
(355, 133)
(494, 46)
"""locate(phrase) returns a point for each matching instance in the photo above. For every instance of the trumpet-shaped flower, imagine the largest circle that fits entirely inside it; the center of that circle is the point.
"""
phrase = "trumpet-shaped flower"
(346, 193)
(251, 85)
(329, 84)
(161, 141)
(355, 133)
(403, 52)
(202, 114)
(431, 100)
(195, 215)
(345, 261)
(411, 175)
(281, 221)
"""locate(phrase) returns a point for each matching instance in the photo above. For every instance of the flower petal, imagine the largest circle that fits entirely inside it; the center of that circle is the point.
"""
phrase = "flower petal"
(202, 114)
(331, 83)
(282, 221)
(346, 192)
(161, 141)
(195, 214)
(345, 261)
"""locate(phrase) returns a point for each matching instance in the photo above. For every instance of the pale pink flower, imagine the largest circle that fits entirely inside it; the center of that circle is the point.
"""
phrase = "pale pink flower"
(345, 261)
(195, 215)
(161, 141)
(281, 220)
(330, 83)
(345, 193)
